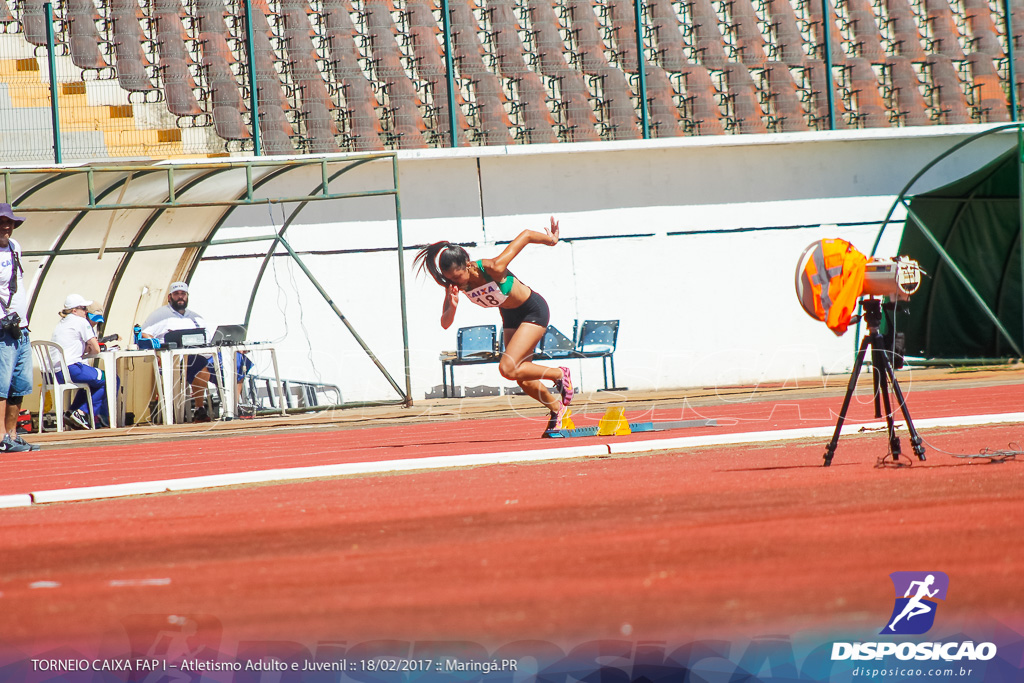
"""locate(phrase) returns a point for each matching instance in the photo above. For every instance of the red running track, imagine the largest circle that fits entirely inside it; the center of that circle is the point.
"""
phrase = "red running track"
(732, 541)
(61, 468)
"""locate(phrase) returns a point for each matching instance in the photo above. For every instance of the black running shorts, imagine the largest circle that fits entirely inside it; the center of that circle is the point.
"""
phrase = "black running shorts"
(534, 310)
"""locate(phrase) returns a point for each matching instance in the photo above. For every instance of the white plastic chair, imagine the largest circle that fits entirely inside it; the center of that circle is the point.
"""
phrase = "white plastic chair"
(50, 359)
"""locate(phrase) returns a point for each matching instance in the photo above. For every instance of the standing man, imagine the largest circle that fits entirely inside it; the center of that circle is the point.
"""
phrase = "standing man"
(176, 316)
(15, 349)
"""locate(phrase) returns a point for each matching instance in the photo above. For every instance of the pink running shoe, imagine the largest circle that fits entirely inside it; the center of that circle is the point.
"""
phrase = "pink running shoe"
(565, 387)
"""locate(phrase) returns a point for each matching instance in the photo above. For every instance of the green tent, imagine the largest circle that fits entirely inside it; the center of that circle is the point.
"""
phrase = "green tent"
(976, 220)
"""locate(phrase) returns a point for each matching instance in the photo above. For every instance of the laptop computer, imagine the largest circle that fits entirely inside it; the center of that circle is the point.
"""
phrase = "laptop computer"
(225, 335)
(184, 339)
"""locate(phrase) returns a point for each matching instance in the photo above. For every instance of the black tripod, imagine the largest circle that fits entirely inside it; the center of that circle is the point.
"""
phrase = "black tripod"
(882, 370)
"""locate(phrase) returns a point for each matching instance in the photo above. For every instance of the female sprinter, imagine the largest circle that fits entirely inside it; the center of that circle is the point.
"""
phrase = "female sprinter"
(524, 313)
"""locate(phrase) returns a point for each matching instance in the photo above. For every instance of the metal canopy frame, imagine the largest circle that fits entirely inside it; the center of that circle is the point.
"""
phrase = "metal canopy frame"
(903, 199)
(58, 200)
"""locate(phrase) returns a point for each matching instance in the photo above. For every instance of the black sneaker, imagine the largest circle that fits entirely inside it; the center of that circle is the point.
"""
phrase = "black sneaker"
(21, 442)
(76, 419)
(200, 415)
(8, 445)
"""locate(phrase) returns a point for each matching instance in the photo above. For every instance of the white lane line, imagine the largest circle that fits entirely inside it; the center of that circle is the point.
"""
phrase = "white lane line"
(809, 432)
(15, 501)
(44, 584)
(449, 461)
(134, 583)
(313, 472)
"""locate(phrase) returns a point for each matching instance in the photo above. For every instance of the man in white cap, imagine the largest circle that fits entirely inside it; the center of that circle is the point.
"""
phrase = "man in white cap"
(76, 336)
(176, 316)
(15, 347)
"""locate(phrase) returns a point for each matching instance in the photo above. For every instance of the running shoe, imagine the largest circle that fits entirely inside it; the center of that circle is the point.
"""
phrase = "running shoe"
(554, 429)
(565, 387)
(21, 442)
(200, 415)
(8, 445)
(76, 419)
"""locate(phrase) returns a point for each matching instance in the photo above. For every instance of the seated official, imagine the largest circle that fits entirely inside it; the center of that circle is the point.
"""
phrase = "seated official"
(76, 336)
(199, 371)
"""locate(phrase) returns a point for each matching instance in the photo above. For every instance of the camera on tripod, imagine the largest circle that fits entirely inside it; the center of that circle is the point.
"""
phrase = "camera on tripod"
(11, 324)
(831, 278)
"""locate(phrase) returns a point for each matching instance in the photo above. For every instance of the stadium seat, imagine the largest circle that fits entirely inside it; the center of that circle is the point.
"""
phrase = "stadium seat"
(910, 108)
(668, 33)
(836, 40)
(320, 130)
(662, 112)
(228, 124)
(315, 103)
(468, 51)
(131, 61)
(598, 339)
(944, 36)
(403, 102)
(505, 42)
(984, 36)
(554, 345)
(904, 32)
(578, 122)
(33, 21)
(84, 38)
(494, 124)
(951, 102)
(585, 28)
(275, 130)
(867, 40)
(787, 113)
(617, 103)
(701, 101)
(549, 48)
(475, 345)
(175, 59)
(990, 102)
(622, 24)
(178, 84)
(869, 109)
(364, 129)
(742, 98)
(708, 43)
(535, 123)
(788, 46)
(750, 44)
(403, 107)
(360, 102)
(817, 98)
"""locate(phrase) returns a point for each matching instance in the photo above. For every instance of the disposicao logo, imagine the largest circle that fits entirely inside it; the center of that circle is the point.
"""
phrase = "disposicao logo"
(914, 612)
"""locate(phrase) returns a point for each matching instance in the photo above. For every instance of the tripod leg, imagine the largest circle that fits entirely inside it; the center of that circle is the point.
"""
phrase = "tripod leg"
(884, 369)
(830, 449)
(916, 442)
(877, 381)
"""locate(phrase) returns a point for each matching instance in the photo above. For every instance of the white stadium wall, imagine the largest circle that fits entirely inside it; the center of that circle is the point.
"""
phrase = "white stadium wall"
(691, 243)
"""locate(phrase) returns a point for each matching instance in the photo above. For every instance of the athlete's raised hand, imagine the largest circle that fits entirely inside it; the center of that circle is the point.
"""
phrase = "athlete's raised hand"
(552, 232)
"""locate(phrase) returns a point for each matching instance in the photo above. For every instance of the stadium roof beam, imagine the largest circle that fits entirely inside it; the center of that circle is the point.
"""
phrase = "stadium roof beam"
(159, 219)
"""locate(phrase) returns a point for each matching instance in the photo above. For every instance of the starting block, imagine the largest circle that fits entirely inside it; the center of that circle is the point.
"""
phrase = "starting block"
(614, 423)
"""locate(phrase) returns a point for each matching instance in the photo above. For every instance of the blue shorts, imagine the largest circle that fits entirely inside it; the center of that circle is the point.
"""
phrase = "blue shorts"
(197, 363)
(15, 365)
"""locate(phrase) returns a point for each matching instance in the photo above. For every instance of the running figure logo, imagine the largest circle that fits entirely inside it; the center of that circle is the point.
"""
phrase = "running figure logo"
(914, 612)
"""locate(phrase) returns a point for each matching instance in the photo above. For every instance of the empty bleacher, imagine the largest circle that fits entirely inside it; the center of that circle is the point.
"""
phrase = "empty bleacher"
(360, 75)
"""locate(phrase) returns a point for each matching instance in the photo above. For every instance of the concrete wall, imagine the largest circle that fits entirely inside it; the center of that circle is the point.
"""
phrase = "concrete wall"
(691, 243)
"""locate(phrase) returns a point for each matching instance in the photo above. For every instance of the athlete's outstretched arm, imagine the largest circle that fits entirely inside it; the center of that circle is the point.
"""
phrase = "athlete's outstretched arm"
(500, 264)
(451, 302)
